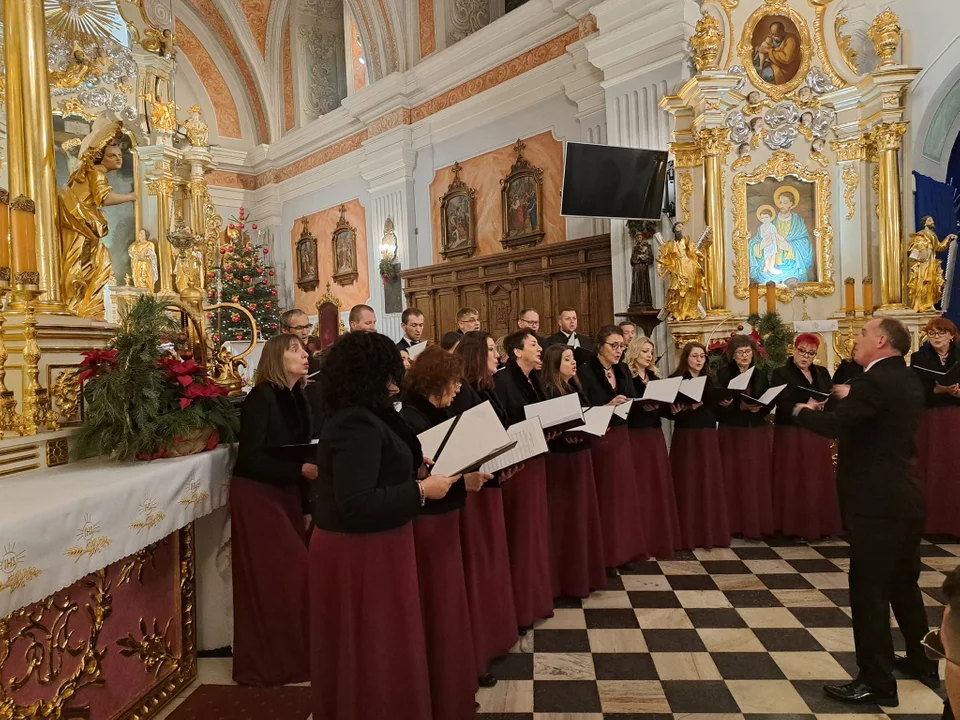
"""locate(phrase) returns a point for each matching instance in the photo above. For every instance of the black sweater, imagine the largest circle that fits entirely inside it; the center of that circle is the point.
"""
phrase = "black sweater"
(701, 418)
(270, 418)
(733, 415)
(597, 390)
(421, 415)
(367, 472)
(791, 376)
(561, 444)
(470, 396)
(639, 418)
(516, 390)
(927, 357)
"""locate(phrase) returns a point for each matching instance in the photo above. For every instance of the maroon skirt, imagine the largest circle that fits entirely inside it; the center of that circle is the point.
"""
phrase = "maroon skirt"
(658, 501)
(269, 584)
(624, 538)
(698, 479)
(805, 502)
(746, 454)
(576, 540)
(451, 660)
(528, 539)
(938, 463)
(368, 659)
(486, 567)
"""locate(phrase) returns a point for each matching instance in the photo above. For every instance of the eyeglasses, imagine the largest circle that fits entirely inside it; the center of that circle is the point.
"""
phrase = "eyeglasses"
(744, 352)
(933, 647)
(807, 353)
(308, 326)
(697, 357)
(936, 334)
(615, 345)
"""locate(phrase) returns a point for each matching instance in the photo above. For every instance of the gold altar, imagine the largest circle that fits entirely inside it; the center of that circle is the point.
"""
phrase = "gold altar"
(787, 145)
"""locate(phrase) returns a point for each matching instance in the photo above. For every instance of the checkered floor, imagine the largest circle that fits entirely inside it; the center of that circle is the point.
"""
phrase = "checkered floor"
(752, 631)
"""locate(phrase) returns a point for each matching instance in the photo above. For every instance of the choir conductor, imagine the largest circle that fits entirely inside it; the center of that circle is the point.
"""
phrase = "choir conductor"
(882, 505)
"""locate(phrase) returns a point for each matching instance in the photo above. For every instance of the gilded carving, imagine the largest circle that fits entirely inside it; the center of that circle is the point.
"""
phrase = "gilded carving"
(782, 165)
(849, 150)
(66, 395)
(851, 181)
(138, 561)
(885, 34)
(153, 649)
(686, 155)
(686, 192)
(706, 42)
(197, 131)
(714, 141)
(778, 79)
(875, 184)
(728, 6)
(886, 136)
(820, 9)
(847, 52)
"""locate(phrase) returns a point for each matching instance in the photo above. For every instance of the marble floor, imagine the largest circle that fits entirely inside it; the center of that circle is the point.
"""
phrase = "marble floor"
(751, 632)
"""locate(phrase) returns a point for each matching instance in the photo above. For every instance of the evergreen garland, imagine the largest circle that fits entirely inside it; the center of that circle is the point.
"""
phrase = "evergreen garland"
(772, 336)
(131, 408)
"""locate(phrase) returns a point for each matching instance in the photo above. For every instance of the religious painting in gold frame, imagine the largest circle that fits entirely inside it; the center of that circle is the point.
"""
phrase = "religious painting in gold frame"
(521, 199)
(775, 49)
(458, 219)
(782, 228)
(344, 249)
(308, 275)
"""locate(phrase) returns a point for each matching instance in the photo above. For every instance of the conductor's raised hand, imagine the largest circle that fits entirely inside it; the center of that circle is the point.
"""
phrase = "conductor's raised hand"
(841, 391)
(435, 487)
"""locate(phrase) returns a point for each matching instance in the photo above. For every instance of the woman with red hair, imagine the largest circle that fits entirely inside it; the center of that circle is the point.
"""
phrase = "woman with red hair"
(938, 460)
(805, 500)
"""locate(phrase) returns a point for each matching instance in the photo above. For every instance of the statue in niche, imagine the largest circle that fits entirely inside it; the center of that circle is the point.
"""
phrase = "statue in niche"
(189, 270)
(925, 284)
(196, 128)
(86, 262)
(682, 262)
(641, 294)
(143, 261)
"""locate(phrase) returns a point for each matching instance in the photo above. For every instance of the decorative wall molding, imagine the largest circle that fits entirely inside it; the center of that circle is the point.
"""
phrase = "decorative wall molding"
(227, 118)
(466, 17)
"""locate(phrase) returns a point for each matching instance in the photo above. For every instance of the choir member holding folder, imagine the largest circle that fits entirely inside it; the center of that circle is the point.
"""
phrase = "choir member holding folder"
(483, 534)
(658, 501)
(266, 518)
(369, 657)
(576, 537)
(429, 389)
(937, 362)
(804, 477)
(525, 495)
(695, 456)
(746, 440)
(606, 382)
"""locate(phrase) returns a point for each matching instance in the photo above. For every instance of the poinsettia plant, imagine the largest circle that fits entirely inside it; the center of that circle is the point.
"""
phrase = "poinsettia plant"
(140, 402)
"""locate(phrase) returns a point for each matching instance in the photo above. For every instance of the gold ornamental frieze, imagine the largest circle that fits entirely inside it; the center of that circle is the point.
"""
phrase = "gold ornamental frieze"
(686, 154)
(851, 181)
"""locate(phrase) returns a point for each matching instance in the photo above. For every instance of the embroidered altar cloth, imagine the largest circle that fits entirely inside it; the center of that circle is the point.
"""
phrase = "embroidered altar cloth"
(60, 524)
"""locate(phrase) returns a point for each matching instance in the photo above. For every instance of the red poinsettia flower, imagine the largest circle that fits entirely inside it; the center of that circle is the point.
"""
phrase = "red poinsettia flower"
(94, 360)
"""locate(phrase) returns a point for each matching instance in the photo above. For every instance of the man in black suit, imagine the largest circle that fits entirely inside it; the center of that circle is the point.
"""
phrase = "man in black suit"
(568, 332)
(412, 323)
(882, 504)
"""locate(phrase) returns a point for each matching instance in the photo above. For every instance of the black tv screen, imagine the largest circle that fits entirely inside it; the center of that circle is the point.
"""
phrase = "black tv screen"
(613, 182)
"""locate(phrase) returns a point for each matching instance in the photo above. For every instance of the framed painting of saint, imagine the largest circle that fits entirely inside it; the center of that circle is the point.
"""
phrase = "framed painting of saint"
(521, 197)
(308, 276)
(344, 251)
(458, 226)
(782, 230)
(776, 50)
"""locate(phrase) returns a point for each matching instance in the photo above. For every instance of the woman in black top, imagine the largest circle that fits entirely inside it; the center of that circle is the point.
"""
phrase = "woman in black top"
(525, 495)
(483, 532)
(266, 518)
(746, 444)
(938, 454)
(695, 460)
(805, 500)
(429, 389)
(606, 382)
(369, 657)
(654, 477)
(576, 531)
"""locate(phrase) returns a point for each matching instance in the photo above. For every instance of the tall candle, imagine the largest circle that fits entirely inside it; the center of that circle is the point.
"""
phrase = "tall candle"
(754, 298)
(771, 297)
(850, 301)
(4, 228)
(23, 233)
(867, 296)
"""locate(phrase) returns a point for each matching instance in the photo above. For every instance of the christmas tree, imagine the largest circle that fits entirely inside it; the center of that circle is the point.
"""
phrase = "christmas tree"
(243, 277)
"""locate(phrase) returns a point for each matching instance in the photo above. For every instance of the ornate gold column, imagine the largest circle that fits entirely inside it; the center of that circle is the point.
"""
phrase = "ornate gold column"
(714, 145)
(886, 139)
(30, 125)
(162, 188)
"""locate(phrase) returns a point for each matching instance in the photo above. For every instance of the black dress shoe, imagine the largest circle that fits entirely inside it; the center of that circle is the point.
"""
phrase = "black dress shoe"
(859, 692)
(487, 680)
(929, 676)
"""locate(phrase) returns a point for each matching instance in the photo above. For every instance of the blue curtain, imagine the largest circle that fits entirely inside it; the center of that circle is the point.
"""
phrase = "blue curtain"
(941, 202)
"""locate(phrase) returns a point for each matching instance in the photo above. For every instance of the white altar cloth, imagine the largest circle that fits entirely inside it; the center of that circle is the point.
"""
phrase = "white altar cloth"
(60, 524)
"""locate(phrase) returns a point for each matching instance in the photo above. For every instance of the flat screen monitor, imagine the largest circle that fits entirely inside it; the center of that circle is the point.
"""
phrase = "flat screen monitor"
(613, 182)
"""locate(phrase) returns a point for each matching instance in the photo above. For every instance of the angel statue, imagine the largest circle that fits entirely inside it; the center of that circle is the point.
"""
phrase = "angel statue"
(86, 261)
(143, 261)
(683, 263)
(925, 284)
(196, 128)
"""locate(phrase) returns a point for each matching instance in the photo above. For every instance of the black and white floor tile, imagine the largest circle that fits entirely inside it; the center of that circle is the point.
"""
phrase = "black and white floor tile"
(752, 632)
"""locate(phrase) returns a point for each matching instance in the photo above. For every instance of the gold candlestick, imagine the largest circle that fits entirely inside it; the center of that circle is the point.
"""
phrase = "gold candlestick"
(8, 403)
(36, 401)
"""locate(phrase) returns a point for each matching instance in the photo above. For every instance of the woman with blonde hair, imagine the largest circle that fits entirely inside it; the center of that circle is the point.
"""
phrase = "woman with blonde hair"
(655, 483)
(266, 518)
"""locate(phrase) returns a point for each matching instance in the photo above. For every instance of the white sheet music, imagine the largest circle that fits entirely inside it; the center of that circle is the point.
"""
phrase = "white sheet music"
(477, 434)
(768, 397)
(530, 443)
(694, 387)
(431, 439)
(598, 420)
(414, 350)
(622, 411)
(664, 391)
(741, 381)
(557, 411)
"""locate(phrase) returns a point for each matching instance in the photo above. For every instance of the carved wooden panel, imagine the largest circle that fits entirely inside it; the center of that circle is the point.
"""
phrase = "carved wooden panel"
(576, 273)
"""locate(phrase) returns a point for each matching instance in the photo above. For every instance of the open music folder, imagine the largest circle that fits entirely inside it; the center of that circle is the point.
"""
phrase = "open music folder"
(300, 452)
(692, 388)
(530, 443)
(562, 413)
(597, 420)
(465, 442)
(768, 397)
(737, 386)
(414, 350)
(948, 378)
(623, 411)
(662, 391)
